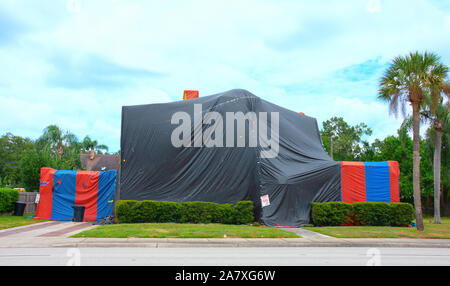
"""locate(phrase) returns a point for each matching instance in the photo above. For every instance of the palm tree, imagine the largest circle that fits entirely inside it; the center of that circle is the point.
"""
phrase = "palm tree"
(89, 144)
(440, 114)
(406, 81)
(440, 124)
(55, 140)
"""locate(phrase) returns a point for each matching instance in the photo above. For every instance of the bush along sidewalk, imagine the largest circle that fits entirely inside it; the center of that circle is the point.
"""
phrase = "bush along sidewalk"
(362, 213)
(130, 211)
(7, 198)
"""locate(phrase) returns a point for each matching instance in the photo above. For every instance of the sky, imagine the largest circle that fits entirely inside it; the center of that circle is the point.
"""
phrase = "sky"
(75, 63)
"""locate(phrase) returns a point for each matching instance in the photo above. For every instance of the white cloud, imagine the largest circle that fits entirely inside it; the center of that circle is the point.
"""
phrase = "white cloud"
(288, 52)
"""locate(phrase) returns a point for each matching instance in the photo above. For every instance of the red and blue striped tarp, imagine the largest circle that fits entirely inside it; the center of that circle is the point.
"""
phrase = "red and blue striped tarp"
(60, 190)
(370, 182)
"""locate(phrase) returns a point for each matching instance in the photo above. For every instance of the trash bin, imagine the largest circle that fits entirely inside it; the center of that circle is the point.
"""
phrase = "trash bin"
(19, 208)
(78, 213)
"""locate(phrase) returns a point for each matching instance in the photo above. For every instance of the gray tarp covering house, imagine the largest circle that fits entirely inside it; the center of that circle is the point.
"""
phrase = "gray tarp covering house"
(298, 173)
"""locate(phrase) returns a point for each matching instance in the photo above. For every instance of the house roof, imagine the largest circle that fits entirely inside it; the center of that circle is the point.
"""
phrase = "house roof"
(101, 162)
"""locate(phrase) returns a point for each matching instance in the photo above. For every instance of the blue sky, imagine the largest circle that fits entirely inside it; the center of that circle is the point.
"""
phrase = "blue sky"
(75, 63)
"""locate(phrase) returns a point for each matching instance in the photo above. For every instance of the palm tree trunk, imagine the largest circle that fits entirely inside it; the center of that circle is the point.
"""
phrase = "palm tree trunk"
(416, 167)
(437, 176)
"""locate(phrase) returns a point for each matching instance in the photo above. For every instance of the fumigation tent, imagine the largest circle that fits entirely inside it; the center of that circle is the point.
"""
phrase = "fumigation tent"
(60, 190)
(286, 170)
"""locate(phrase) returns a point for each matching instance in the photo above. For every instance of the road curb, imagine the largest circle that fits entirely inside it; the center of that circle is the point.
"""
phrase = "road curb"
(203, 244)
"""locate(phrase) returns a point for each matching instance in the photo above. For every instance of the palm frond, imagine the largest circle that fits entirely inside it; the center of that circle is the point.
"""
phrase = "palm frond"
(413, 78)
(407, 123)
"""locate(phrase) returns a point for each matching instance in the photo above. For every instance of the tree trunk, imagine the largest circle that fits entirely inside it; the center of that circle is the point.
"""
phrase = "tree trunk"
(416, 167)
(437, 176)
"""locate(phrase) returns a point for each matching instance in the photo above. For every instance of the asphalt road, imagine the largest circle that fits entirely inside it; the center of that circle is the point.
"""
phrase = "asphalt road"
(281, 256)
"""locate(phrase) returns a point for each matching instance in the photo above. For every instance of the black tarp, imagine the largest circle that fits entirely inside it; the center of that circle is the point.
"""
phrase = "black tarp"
(152, 168)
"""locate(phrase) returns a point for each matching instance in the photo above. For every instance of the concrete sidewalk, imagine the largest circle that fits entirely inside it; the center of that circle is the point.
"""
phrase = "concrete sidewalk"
(251, 242)
(45, 242)
(43, 230)
(57, 234)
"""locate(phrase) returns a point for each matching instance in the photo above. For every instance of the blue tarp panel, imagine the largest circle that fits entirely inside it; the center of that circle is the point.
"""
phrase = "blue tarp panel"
(377, 182)
(106, 188)
(63, 195)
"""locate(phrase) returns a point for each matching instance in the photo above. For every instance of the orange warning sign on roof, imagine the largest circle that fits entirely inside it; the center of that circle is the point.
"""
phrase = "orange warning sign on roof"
(189, 94)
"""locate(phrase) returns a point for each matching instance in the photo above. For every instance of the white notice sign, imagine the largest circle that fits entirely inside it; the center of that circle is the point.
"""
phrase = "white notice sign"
(265, 201)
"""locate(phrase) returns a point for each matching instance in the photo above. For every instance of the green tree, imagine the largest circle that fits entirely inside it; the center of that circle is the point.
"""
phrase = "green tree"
(56, 141)
(62, 146)
(406, 80)
(30, 167)
(342, 140)
(11, 150)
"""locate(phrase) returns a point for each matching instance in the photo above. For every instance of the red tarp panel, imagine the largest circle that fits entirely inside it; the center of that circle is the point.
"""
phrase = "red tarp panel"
(353, 182)
(394, 178)
(189, 94)
(86, 193)
(44, 208)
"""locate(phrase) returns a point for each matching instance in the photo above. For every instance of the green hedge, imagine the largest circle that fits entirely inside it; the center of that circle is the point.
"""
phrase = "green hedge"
(372, 213)
(244, 211)
(362, 213)
(401, 214)
(332, 213)
(129, 211)
(7, 198)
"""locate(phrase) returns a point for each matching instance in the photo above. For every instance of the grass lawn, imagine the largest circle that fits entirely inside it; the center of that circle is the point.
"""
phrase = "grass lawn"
(13, 221)
(431, 230)
(174, 230)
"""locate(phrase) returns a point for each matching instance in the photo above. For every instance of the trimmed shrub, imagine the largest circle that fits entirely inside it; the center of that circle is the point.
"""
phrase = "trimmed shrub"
(226, 214)
(362, 213)
(7, 198)
(331, 213)
(244, 212)
(372, 213)
(402, 214)
(167, 211)
(186, 212)
(199, 212)
(147, 211)
(126, 211)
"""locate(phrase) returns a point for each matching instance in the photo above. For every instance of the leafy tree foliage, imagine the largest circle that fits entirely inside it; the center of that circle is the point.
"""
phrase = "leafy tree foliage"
(341, 140)
(22, 158)
(11, 150)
